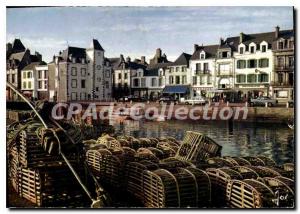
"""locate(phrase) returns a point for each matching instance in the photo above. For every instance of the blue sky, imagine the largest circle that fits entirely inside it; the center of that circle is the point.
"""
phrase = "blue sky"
(138, 31)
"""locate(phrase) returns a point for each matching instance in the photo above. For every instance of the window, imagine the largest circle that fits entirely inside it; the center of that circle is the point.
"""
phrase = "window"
(74, 71)
(136, 82)
(82, 83)
(252, 63)
(263, 78)
(40, 85)
(194, 80)
(13, 78)
(198, 66)
(177, 69)
(291, 61)
(241, 50)
(280, 61)
(202, 78)
(107, 84)
(280, 78)
(171, 69)
(143, 82)
(29, 85)
(177, 79)
(119, 76)
(107, 74)
(74, 83)
(125, 76)
(24, 75)
(264, 63)
(45, 74)
(205, 66)
(280, 45)
(24, 85)
(40, 74)
(224, 67)
(97, 88)
(171, 80)
(224, 54)
(160, 80)
(241, 64)
(83, 72)
(45, 84)
(209, 80)
(183, 69)
(251, 78)
(7, 77)
(74, 96)
(252, 49)
(82, 96)
(241, 78)
(29, 74)
(183, 79)
(263, 48)
(291, 44)
(153, 82)
(202, 56)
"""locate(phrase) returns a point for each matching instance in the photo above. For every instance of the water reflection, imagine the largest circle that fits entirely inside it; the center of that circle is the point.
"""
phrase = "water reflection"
(237, 139)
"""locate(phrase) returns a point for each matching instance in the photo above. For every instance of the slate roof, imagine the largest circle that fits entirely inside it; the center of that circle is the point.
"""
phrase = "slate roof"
(32, 65)
(178, 89)
(96, 45)
(210, 51)
(117, 64)
(77, 53)
(17, 46)
(17, 56)
(183, 59)
(257, 38)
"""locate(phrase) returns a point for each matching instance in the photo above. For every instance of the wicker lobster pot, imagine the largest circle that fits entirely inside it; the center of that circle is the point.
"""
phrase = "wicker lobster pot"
(134, 177)
(145, 154)
(219, 162)
(290, 167)
(275, 171)
(246, 172)
(283, 188)
(249, 193)
(13, 165)
(166, 149)
(171, 163)
(260, 161)
(264, 171)
(237, 161)
(157, 152)
(56, 187)
(106, 166)
(160, 189)
(197, 147)
(219, 179)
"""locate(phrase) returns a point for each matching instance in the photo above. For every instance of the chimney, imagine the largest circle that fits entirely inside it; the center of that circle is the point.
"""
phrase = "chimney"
(128, 59)
(277, 32)
(143, 59)
(195, 47)
(158, 52)
(221, 41)
(122, 58)
(242, 37)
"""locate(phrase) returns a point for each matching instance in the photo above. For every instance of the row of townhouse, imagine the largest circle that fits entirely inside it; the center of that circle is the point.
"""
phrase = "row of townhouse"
(247, 65)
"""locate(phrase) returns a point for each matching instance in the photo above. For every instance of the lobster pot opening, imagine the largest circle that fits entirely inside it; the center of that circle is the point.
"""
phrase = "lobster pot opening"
(219, 179)
(160, 189)
(197, 147)
(249, 193)
(134, 177)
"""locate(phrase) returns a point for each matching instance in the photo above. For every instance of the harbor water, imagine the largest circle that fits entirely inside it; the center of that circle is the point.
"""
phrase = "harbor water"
(237, 138)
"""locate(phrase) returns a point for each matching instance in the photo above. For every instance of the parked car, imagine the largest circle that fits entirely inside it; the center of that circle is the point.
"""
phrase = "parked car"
(261, 101)
(167, 100)
(129, 98)
(195, 101)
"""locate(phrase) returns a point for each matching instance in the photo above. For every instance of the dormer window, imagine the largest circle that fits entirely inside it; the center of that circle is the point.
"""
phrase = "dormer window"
(202, 56)
(74, 60)
(252, 49)
(263, 48)
(241, 50)
(280, 45)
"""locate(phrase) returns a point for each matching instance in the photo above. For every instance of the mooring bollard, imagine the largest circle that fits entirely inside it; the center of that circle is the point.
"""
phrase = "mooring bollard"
(266, 105)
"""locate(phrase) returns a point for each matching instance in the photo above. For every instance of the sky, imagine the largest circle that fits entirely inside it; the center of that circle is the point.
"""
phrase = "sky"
(137, 31)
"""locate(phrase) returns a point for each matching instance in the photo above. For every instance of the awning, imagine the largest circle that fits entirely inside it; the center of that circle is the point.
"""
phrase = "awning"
(176, 89)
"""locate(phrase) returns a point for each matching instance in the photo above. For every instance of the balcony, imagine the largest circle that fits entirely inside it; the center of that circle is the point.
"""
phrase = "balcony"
(202, 72)
(224, 73)
(284, 68)
(282, 84)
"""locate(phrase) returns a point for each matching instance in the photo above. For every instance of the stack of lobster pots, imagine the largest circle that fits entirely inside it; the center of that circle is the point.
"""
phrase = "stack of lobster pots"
(37, 171)
(163, 172)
